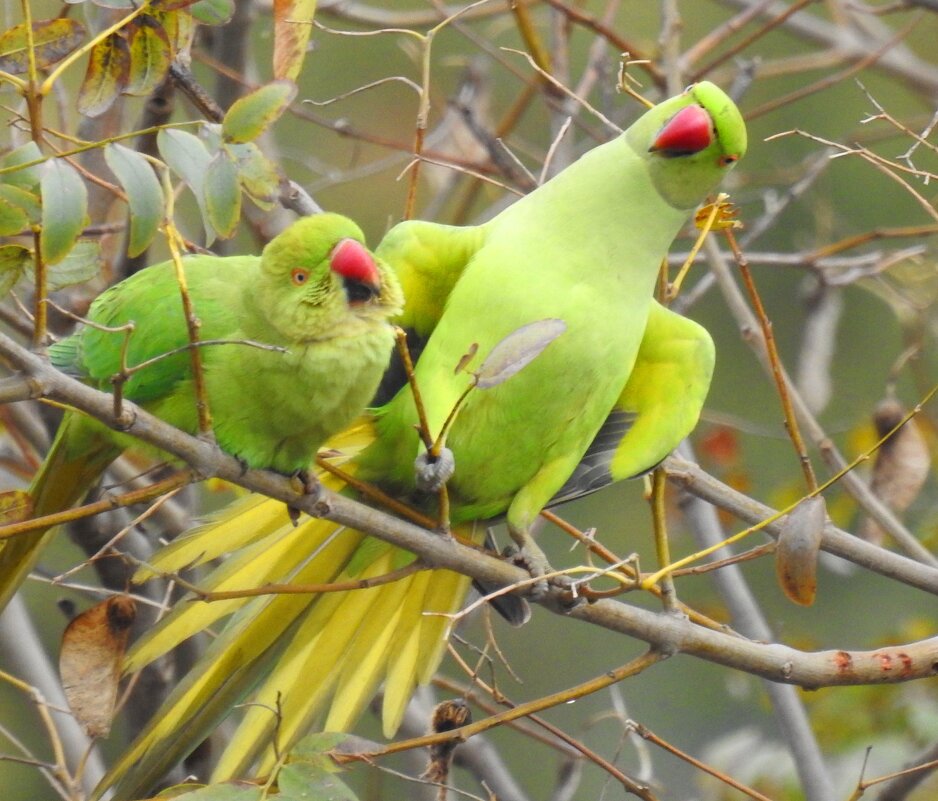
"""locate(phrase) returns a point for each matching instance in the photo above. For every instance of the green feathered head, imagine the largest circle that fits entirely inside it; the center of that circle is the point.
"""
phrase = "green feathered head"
(690, 142)
(318, 280)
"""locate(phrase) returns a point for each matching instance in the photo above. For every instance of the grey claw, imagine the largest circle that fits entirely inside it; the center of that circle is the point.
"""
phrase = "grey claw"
(431, 474)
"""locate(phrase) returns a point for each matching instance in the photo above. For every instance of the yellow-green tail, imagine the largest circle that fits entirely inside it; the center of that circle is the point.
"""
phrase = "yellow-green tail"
(316, 659)
(77, 458)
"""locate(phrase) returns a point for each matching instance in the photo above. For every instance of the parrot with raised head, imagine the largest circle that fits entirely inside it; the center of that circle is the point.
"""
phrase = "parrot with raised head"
(585, 248)
(295, 342)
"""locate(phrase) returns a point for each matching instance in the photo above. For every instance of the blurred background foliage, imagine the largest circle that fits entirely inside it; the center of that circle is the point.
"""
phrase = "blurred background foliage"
(853, 330)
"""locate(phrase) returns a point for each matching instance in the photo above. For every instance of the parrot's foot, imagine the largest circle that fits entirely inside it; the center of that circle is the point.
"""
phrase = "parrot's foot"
(304, 482)
(529, 556)
(432, 473)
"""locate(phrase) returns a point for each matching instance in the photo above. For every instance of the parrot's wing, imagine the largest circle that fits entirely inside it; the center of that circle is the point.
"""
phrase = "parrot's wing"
(665, 391)
(594, 470)
(659, 406)
(428, 258)
(94, 354)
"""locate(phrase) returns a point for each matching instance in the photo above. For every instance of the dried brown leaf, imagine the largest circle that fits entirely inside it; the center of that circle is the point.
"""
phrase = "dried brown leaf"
(901, 466)
(93, 648)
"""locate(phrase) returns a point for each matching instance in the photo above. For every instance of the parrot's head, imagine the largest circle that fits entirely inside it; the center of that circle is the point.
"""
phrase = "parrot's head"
(690, 142)
(318, 280)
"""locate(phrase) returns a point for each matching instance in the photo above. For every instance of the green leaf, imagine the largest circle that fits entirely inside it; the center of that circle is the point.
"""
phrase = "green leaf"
(187, 157)
(27, 177)
(53, 39)
(13, 219)
(258, 174)
(81, 264)
(105, 77)
(14, 261)
(250, 115)
(223, 194)
(144, 195)
(22, 199)
(150, 56)
(315, 747)
(306, 782)
(64, 209)
(212, 12)
(517, 350)
(293, 24)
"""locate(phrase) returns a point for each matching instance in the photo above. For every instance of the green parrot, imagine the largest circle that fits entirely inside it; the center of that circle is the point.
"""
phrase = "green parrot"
(585, 248)
(316, 301)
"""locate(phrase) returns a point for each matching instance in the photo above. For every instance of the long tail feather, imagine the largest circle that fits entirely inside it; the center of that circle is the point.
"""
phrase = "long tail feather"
(77, 458)
(310, 657)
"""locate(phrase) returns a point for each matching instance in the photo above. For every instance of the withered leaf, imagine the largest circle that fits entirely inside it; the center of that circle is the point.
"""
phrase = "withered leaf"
(106, 76)
(53, 39)
(901, 466)
(93, 648)
(293, 23)
(517, 350)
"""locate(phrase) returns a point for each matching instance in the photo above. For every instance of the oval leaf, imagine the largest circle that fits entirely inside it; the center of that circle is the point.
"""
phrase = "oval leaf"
(53, 39)
(144, 194)
(81, 264)
(315, 783)
(12, 218)
(25, 177)
(150, 56)
(250, 115)
(187, 157)
(212, 12)
(293, 24)
(258, 174)
(796, 555)
(64, 209)
(223, 194)
(27, 201)
(517, 351)
(105, 77)
(14, 261)
(90, 661)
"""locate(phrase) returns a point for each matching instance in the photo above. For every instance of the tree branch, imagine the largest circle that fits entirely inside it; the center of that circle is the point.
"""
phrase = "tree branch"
(663, 632)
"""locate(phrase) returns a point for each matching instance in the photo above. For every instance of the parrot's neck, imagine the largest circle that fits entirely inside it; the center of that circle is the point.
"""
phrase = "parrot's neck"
(605, 202)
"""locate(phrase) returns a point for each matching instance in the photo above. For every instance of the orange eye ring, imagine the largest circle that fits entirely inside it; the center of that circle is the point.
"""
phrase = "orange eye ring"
(299, 276)
(725, 161)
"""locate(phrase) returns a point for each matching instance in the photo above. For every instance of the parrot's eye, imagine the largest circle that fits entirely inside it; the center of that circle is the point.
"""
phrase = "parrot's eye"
(725, 161)
(299, 276)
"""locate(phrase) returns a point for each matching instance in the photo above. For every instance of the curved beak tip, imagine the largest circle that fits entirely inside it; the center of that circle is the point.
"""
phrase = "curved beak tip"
(351, 260)
(687, 132)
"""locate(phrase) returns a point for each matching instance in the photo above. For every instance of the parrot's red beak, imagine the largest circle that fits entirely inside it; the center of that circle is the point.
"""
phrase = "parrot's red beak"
(687, 132)
(351, 260)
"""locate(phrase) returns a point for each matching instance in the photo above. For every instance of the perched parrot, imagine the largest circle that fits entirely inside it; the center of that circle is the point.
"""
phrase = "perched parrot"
(585, 248)
(316, 301)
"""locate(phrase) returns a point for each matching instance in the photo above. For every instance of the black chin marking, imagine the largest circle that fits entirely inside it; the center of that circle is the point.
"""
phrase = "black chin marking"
(358, 292)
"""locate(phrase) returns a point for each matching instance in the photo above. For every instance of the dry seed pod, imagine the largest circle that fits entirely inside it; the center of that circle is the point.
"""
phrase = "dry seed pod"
(901, 465)
(799, 543)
